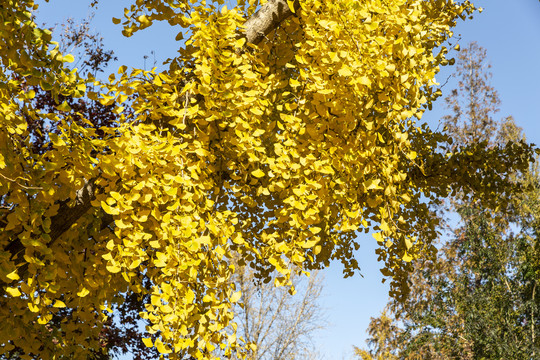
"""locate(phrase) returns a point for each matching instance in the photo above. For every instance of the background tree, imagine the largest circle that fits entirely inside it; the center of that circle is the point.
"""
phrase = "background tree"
(271, 139)
(280, 325)
(478, 300)
(92, 59)
(384, 339)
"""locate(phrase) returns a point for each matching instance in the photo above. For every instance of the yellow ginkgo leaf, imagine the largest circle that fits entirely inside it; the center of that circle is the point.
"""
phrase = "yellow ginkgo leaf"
(109, 209)
(147, 342)
(290, 3)
(235, 297)
(407, 257)
(162, 348)
(13, 291)
(68, 58)
(258, 173)
(59, 304)
(345, 71)
(83, 292)
(113, 269)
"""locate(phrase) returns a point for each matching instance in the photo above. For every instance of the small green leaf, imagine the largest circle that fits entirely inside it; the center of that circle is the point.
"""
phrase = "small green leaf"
(64, 107)
(45, 85)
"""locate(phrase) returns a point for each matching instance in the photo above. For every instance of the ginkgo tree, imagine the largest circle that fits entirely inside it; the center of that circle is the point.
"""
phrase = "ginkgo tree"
(281, 130)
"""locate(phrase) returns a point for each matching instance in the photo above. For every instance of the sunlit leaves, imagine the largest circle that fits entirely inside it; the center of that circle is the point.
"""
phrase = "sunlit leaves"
(13, 292)
(276, 155)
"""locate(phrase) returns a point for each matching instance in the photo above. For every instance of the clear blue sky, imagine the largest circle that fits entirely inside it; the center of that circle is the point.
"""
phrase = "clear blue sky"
(509, 30)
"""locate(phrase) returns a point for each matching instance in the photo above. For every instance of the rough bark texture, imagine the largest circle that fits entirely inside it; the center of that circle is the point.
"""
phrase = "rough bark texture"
(268, 19)
(258, 26)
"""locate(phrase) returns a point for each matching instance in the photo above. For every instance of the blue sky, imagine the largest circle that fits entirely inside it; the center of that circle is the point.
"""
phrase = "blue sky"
(509, 30)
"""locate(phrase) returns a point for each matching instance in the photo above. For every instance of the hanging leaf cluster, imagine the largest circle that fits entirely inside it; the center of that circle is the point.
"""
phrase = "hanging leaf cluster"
(280, 131)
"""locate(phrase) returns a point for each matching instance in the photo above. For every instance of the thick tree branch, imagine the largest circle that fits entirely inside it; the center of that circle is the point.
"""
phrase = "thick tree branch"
(267, 19)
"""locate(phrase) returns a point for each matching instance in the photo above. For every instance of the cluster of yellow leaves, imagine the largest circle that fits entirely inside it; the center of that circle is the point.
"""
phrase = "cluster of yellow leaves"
(278, 154)
(40, 279)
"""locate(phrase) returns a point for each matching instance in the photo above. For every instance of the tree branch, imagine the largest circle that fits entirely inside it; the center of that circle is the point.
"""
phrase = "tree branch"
(267, 19)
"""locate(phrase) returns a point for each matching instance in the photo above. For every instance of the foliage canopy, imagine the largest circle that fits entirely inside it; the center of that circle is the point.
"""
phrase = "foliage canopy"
(273, 137)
